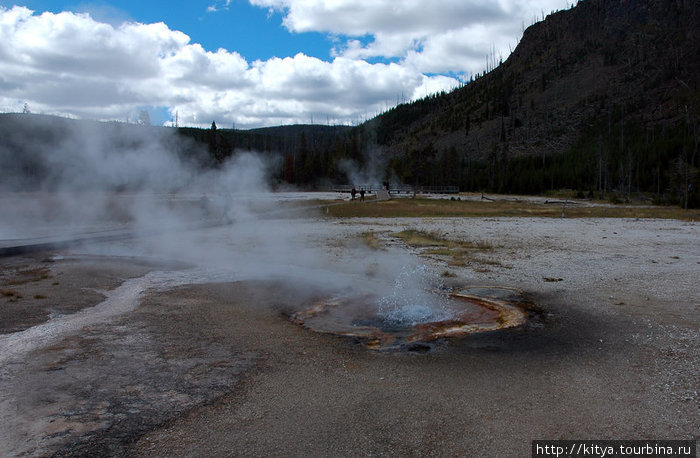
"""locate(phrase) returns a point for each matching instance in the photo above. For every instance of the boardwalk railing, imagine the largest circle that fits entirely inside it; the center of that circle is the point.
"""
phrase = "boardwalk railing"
(438, 189)
(400, 189)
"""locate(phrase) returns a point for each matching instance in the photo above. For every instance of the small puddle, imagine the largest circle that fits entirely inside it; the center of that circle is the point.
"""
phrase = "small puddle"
(472, 310)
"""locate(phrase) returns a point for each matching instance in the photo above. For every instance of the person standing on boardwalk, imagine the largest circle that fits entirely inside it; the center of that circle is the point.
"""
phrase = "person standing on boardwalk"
(362, 194)
(353, 192)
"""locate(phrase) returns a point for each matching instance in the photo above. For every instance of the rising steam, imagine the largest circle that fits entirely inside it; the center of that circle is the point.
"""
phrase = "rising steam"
(223, 220)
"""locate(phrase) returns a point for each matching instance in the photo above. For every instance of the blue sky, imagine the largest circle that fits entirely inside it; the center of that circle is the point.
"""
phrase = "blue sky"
(254, 32)
(247, 63)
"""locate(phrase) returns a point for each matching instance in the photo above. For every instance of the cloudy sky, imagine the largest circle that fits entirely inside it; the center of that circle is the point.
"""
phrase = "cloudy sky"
(247, 63)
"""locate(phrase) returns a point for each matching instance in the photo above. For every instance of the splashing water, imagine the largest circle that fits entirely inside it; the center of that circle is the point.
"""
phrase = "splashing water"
(413, 300)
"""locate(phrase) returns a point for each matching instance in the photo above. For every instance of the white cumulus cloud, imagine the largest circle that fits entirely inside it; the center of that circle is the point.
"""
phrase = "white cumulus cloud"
(72, 64)
(432, 37)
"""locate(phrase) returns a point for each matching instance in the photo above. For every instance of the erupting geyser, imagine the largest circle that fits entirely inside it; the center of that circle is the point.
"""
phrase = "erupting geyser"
(367, 318)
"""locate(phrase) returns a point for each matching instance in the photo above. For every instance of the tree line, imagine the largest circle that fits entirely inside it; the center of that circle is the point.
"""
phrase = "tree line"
(613, 158)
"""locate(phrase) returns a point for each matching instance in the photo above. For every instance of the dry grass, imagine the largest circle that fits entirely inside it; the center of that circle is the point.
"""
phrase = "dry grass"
(8, 293)
(30, 275)
(370, 239)
(419, 207)
(458, 253)
(439, 244)
(421, 239)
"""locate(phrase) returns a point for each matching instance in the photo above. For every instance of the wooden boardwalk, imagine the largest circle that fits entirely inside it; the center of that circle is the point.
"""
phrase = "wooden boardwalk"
(400, 189)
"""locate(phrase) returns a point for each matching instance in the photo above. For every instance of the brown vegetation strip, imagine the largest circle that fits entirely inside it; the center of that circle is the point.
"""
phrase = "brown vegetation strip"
(465, 208)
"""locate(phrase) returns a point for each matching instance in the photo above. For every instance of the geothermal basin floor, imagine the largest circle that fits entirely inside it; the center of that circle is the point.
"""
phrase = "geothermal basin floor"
(105, 353)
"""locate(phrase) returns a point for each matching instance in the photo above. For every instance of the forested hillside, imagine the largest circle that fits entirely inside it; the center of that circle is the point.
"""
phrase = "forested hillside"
(599, 98)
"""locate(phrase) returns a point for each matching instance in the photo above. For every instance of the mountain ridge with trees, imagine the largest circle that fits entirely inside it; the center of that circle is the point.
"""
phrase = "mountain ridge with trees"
(603, 97)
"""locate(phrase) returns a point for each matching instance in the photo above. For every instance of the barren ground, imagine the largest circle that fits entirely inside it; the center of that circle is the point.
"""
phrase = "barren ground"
(217, 369)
